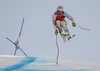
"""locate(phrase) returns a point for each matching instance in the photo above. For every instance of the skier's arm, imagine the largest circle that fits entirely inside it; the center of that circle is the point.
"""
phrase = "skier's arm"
(69, 17)
(54, 21)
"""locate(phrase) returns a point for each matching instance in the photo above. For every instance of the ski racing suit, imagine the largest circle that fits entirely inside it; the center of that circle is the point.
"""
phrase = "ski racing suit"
(56, 17)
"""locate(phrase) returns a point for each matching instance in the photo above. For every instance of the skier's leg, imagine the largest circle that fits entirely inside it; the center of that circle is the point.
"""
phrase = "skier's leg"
(58, 24)
(64, 24)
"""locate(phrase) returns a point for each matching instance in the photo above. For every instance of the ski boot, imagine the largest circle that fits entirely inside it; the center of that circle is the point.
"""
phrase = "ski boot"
(68, 35)
(63, 36)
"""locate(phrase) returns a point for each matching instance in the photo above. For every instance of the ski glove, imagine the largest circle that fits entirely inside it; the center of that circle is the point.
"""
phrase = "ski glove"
(56, 32)
(74, 25)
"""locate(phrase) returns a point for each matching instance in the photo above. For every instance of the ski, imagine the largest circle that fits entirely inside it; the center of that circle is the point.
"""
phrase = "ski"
(64, 37)
(71, 37)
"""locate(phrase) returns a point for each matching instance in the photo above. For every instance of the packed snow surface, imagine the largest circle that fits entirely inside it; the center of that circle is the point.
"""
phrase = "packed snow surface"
(20, 63)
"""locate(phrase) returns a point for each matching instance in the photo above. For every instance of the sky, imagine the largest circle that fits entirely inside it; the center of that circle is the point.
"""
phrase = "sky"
(38, 38)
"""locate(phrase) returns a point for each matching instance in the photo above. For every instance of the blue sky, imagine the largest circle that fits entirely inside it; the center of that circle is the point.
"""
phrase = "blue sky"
(38, 38)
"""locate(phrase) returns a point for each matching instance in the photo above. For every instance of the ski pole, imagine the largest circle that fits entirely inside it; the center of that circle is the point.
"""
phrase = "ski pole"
(58, 50)
(84, 28)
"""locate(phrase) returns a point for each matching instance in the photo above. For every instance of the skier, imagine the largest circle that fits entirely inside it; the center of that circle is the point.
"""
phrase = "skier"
(59, 22)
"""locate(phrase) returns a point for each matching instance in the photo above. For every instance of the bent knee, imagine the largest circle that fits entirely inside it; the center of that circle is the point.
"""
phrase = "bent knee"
(57, 21)
(63, 22)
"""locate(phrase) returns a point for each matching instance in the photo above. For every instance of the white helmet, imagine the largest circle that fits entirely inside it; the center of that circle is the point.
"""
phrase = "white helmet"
(59, 8)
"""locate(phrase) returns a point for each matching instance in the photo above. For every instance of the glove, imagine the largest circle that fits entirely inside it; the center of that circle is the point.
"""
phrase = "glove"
(56, 32)
(74, 25)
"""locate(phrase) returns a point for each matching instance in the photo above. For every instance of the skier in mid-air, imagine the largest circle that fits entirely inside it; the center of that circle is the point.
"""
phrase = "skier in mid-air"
(59, 22)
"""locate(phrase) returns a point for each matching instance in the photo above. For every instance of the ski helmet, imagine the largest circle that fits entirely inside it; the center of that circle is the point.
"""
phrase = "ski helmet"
(59, 8)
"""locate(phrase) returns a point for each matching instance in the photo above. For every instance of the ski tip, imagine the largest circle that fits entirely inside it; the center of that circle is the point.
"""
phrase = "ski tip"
(73, 35)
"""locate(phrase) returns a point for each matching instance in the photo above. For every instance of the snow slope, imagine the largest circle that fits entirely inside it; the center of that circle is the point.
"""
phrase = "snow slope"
(20, 63)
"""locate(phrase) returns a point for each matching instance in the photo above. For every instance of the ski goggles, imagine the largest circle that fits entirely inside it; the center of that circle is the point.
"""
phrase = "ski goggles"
(59, 12)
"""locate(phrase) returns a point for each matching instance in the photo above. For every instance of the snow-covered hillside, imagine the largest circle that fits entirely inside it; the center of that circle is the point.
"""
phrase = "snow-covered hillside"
(20, 63)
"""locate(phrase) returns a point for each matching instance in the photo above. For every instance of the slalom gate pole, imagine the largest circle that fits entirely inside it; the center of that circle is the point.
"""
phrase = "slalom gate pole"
(58, 51)
(84, 28)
